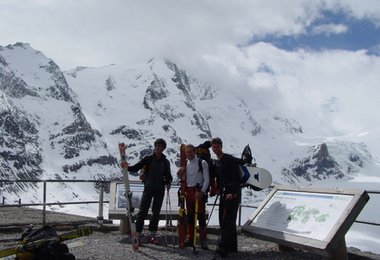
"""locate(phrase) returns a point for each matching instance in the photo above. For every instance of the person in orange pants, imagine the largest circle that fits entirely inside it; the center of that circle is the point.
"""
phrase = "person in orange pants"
(197, 184)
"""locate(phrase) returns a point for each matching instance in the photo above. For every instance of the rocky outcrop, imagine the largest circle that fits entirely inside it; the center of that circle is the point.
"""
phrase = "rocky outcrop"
(319, 165)
(20, 153)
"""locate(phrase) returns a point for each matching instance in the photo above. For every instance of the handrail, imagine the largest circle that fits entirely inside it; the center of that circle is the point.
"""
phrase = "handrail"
(55, 180)
(44, 203)
(101, 201)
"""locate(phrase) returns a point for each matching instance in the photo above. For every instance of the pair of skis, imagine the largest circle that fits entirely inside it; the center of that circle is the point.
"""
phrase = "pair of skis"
(181, 226)
(29, 246)
(128, 195)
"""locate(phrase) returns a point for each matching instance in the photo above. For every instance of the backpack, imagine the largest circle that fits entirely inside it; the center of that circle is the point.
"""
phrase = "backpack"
(46, 245)
(203, 153)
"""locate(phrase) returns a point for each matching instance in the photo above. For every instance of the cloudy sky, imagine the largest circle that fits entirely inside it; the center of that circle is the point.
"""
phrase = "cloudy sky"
(312, 56)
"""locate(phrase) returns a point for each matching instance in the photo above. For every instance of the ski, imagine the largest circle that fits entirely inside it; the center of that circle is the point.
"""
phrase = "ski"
(181, 226)
(27, 246)
(128, 195)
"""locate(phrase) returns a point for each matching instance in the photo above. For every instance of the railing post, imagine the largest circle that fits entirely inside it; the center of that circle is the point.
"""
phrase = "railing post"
(44, 205)
(239, 215)
(100, 213)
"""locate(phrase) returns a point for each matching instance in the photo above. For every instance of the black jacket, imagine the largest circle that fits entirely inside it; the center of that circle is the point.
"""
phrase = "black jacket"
(228, 174)
(157, 171)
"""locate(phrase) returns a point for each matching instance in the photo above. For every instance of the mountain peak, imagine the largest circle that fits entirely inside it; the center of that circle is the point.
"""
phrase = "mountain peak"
(71, 122)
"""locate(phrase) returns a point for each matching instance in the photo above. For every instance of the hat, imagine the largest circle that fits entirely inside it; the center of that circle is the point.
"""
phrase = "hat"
(205, 145)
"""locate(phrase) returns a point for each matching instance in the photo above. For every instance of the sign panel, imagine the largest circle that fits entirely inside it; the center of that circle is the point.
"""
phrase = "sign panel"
(309, 218)
(312, 215)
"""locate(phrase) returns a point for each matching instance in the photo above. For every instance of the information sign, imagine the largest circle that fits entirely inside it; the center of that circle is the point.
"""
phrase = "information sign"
(308, 218)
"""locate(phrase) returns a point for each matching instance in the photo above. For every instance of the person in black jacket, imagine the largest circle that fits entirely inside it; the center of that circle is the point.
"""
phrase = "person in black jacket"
(157, 176)
(228, 183)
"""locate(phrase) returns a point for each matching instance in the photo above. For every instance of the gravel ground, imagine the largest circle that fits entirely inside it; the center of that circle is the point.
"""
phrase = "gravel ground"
(112, 245)
(108, 243)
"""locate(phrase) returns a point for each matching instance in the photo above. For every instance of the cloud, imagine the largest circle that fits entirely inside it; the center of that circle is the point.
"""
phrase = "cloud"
(215, 41)
(96, 33)
(300, 83)
(329, 29)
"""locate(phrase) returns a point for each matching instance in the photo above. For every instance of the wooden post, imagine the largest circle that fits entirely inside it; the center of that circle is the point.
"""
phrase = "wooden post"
(44, 204)
(340, 251)
(100, 212)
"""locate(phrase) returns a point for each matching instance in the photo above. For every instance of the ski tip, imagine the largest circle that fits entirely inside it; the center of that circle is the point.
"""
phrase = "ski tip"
(135, 244)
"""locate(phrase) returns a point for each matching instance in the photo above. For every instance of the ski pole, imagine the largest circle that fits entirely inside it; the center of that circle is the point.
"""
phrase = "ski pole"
(213, 206)
(171, 220)
(195, 221)
(166, 219)
(220, 233)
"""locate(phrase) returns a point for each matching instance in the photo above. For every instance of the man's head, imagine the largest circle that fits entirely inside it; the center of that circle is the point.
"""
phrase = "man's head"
(203, 151)
(216, 140)
(217, 145)
(190, 152)
(159, 146)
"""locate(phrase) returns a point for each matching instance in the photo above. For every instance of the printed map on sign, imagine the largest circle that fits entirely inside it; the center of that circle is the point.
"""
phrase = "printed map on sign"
(309, 214)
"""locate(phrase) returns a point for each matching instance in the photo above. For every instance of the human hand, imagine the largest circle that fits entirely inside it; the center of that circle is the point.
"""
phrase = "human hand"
(181, 171)
(230, 196)
(199, 195)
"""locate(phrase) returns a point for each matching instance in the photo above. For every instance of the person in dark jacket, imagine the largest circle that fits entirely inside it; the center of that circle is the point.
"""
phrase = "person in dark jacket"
(157, 176)
(228, 183)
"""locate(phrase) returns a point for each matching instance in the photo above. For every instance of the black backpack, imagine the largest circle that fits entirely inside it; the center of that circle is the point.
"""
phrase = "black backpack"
(203, 153)
(46, 245)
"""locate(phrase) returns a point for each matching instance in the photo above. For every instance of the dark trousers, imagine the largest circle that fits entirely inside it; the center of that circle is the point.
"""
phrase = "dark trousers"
(228, 210)
(146, 199)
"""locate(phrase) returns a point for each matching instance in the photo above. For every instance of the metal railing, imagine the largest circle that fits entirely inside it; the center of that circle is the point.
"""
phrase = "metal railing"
(44, 203)
(101, 201)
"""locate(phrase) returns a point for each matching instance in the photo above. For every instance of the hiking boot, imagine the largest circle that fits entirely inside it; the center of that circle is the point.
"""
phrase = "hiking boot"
(204, 245)
(153, 240)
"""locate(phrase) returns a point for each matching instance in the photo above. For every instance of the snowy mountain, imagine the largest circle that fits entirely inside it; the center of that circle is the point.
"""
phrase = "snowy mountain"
(45, 134)
(66, 125)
